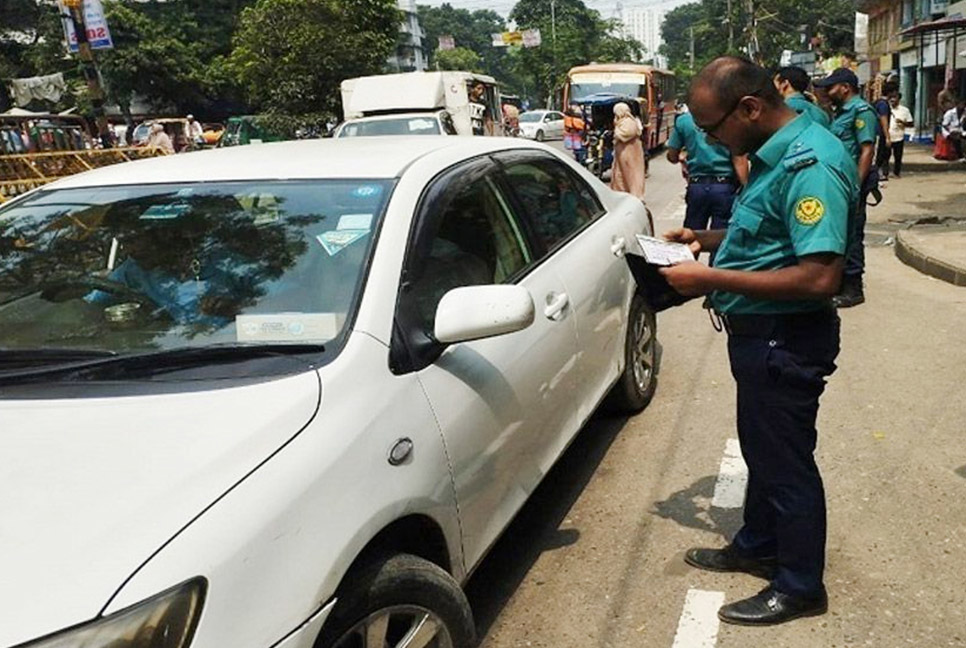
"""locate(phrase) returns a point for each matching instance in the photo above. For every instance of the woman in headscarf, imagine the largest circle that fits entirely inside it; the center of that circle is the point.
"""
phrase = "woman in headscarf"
(627, 172)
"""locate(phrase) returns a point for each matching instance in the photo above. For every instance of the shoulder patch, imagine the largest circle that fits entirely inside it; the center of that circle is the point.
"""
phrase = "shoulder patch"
(809, 210)
(859, 122)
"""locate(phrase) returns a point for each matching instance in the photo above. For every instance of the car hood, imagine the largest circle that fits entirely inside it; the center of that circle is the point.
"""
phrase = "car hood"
(90, 488)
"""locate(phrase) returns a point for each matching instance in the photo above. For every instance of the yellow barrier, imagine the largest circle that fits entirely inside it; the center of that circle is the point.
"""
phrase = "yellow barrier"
(20, 173)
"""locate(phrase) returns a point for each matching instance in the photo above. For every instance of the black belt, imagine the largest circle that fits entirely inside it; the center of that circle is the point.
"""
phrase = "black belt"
(713, 180)
(766, 326)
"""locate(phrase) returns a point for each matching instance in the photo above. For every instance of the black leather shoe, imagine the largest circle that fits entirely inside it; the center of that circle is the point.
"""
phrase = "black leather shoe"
(770, 607)
(729, 560)
(851, 293)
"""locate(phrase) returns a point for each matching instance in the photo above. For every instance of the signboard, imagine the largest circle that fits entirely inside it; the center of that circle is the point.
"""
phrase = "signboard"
(526, 38)
(446, 43)
(98, 33)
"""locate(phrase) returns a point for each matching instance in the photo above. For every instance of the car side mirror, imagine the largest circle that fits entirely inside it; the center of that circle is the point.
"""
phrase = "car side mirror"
(476, 312)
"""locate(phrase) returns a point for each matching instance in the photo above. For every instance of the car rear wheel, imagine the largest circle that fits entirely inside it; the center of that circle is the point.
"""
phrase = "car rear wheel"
(540, 136)
(636, 385)
(400, 602)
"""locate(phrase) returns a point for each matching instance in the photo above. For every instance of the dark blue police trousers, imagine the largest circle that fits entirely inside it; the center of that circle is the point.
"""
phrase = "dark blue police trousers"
(709, 203)
(780, 376)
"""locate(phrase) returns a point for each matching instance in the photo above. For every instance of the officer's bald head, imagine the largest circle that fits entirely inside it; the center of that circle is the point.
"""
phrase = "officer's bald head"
(729, 78)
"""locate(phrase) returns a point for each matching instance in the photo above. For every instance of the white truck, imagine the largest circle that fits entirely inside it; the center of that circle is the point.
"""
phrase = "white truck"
(421, 103)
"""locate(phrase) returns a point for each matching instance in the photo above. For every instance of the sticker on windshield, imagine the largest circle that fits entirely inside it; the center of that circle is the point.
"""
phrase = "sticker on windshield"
(367, 191)
(337, 240)
(163, 212)
(287, 327)
(355, 222)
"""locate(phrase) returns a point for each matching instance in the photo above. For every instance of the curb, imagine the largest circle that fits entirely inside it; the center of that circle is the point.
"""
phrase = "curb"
(933, 167)
(926, 264)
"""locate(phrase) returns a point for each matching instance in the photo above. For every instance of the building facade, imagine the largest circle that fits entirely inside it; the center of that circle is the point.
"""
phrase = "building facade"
(644, 26)
(922, 44)
(409, 55)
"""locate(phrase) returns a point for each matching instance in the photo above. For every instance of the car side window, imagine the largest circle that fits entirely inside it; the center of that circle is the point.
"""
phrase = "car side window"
(556, 202)
(471, 239)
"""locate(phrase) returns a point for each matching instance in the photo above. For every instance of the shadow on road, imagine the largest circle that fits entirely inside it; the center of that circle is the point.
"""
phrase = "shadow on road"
(536, 527)
(691, 507)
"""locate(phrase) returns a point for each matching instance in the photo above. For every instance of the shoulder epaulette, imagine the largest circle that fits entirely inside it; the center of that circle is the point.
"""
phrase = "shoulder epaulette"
(799, 158)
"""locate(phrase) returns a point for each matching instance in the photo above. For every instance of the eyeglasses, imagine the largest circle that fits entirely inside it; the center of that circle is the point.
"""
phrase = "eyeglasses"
(708, 131)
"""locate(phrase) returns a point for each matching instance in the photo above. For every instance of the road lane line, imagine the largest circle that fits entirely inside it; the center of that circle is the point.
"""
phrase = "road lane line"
(698, 625)
(729, 490)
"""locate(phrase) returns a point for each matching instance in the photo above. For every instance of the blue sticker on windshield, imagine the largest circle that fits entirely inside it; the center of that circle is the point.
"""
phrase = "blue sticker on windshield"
(337, 240)
(367, 191)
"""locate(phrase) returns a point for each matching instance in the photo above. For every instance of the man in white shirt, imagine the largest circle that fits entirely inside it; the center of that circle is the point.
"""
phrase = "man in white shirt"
(899, 121)
(952, 126)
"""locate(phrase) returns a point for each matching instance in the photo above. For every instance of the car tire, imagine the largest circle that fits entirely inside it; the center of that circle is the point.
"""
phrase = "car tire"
(391, 597)
(637, 383)
(539, 136)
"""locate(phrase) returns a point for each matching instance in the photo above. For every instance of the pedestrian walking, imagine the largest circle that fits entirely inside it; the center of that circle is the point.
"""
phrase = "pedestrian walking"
(883, 110)
(778, 264)
(855, 123)
(901, 120)
(574, 132)
(792, 82)
(714, 175)
(627, 173)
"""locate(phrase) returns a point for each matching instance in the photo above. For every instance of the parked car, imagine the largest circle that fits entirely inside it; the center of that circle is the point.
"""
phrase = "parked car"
(542, 125)
(289, 395)
(434, 123)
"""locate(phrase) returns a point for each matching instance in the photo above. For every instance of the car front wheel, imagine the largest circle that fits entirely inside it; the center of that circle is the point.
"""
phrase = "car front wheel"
(636, 385)
(400, 602)
(540, 136)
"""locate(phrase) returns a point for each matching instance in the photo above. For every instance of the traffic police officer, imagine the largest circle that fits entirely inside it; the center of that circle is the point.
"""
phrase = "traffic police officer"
(792, 82)
(855, 123)
(714, 175)
(778, 265)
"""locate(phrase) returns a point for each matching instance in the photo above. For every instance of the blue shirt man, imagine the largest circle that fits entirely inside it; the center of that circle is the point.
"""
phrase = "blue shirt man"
(713, 175)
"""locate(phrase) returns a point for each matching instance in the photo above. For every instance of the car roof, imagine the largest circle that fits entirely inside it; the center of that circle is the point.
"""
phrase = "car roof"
(355, 157)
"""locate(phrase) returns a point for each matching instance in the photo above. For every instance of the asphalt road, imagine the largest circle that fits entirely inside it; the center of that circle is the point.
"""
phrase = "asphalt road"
(595, 558)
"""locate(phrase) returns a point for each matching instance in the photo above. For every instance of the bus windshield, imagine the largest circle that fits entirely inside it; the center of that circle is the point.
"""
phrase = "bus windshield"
(583, 89)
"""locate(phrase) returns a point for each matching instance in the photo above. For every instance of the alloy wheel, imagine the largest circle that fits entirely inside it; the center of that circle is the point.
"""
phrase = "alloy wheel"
(643, 350)
(398, 626)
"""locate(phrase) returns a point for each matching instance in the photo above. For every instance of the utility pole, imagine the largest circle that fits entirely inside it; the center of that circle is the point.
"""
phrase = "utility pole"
(691, 50)
(89, 69)
(731, 30)
(753, 48)
(553, 44)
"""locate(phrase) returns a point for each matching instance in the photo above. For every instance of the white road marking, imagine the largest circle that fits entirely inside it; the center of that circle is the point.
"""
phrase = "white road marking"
(698, 625)
(729, 490)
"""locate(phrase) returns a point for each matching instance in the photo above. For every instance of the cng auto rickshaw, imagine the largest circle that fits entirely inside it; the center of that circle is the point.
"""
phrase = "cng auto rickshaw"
(598, 115)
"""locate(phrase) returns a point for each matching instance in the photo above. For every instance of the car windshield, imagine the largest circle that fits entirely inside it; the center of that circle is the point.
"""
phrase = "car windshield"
(580, 91)
(402, 126)
(531, 117)
(137, 269)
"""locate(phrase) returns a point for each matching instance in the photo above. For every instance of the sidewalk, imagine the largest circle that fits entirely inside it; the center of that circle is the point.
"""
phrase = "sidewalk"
(924, 212)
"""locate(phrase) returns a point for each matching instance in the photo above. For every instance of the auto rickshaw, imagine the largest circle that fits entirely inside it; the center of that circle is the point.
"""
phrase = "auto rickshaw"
(598, 114)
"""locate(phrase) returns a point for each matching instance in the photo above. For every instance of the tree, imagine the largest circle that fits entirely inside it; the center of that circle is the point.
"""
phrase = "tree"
(460, 58)
(291, 55)
(470, 30)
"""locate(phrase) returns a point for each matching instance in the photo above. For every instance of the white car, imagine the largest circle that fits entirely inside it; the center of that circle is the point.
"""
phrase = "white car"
(289, 395)
(542, 124)
(438, 122)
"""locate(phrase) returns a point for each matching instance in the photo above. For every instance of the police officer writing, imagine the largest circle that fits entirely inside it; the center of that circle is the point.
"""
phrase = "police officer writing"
(778, 265)
(714, 175)
(792, 82)
(854, 123)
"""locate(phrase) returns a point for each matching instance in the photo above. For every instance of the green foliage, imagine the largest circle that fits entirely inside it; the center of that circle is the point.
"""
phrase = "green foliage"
(470, 30)
(291, 55)
(460, 58)
(780, 25)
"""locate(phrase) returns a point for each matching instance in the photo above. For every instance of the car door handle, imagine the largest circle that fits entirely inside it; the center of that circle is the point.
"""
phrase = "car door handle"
(618, 247)
(556, 305)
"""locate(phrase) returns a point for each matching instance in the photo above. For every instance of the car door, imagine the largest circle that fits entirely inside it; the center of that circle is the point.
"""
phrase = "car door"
(557, 123)
(584, 245)
(499, 401)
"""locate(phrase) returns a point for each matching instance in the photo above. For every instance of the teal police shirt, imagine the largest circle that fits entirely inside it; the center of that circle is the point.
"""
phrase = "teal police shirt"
(704, 159)
(801, 105)
(798, 201)
(855, 124)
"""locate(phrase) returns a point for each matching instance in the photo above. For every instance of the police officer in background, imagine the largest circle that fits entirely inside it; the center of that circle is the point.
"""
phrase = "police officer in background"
(714, 175)
(855, 123)
(792, 82)
(778, 265)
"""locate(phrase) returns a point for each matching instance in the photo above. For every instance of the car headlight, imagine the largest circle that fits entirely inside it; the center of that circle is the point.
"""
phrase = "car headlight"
(167, 620)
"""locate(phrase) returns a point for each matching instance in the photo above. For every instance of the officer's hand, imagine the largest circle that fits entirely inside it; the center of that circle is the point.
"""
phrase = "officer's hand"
(690, 278)
(687, 236)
